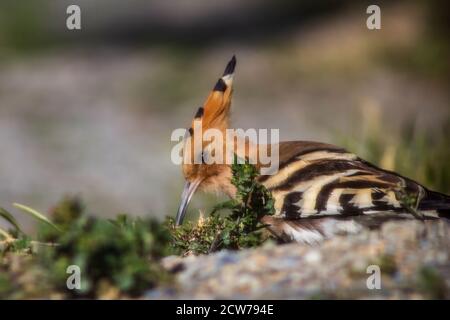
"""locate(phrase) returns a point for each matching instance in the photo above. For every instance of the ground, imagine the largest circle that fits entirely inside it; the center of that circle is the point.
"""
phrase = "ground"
(413, 258)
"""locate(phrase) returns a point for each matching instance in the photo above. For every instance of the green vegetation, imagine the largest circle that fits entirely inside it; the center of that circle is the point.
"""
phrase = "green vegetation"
(114, 256)
(122, 254)
(431, 284)
(120, 257)
(240, 229)
(387, 264)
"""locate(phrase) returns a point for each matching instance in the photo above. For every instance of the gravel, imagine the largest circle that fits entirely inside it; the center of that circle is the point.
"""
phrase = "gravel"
(413, 258)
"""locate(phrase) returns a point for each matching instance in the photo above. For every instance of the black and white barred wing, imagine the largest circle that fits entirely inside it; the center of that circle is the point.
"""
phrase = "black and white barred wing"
(318, 179)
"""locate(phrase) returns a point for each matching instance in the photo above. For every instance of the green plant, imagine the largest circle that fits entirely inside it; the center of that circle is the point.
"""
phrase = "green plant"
(240, 229)
(431, 283)
(122, 255)
(119, 256)
(13, 240)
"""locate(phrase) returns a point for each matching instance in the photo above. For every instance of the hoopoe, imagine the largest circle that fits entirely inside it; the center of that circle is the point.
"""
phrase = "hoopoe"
(319, 189)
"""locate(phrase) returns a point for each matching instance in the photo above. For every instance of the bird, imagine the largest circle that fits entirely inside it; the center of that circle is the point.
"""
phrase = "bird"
(320, 190)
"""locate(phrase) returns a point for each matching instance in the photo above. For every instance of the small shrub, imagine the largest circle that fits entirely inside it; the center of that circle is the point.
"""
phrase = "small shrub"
(240, 229)
(120, 256)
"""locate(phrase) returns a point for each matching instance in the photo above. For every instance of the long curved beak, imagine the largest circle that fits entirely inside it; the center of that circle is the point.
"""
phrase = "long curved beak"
(188, 192)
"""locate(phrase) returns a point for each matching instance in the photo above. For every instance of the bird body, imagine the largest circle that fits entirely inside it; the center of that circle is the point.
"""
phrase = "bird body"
(319, 189)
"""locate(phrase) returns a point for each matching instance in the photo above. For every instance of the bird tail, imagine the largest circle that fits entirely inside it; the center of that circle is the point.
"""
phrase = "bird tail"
(436, 201)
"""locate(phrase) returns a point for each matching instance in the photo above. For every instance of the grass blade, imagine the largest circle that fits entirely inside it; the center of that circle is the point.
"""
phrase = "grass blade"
(9, 217)
(35, 214)
(5, 235)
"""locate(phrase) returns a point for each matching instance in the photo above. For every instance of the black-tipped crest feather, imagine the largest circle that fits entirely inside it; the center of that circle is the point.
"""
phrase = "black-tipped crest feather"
(230, 66)
(220, 86)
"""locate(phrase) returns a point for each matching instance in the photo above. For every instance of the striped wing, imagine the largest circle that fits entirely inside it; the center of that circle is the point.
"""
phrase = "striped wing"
(318, 179)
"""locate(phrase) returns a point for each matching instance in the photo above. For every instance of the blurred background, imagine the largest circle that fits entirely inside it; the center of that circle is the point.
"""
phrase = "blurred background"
(90, 112)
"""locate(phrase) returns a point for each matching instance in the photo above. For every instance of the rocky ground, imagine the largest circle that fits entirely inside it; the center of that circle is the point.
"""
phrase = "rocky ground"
(413, 258)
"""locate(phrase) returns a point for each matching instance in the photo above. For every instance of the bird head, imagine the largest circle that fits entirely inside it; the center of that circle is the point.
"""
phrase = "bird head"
(200, 170)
